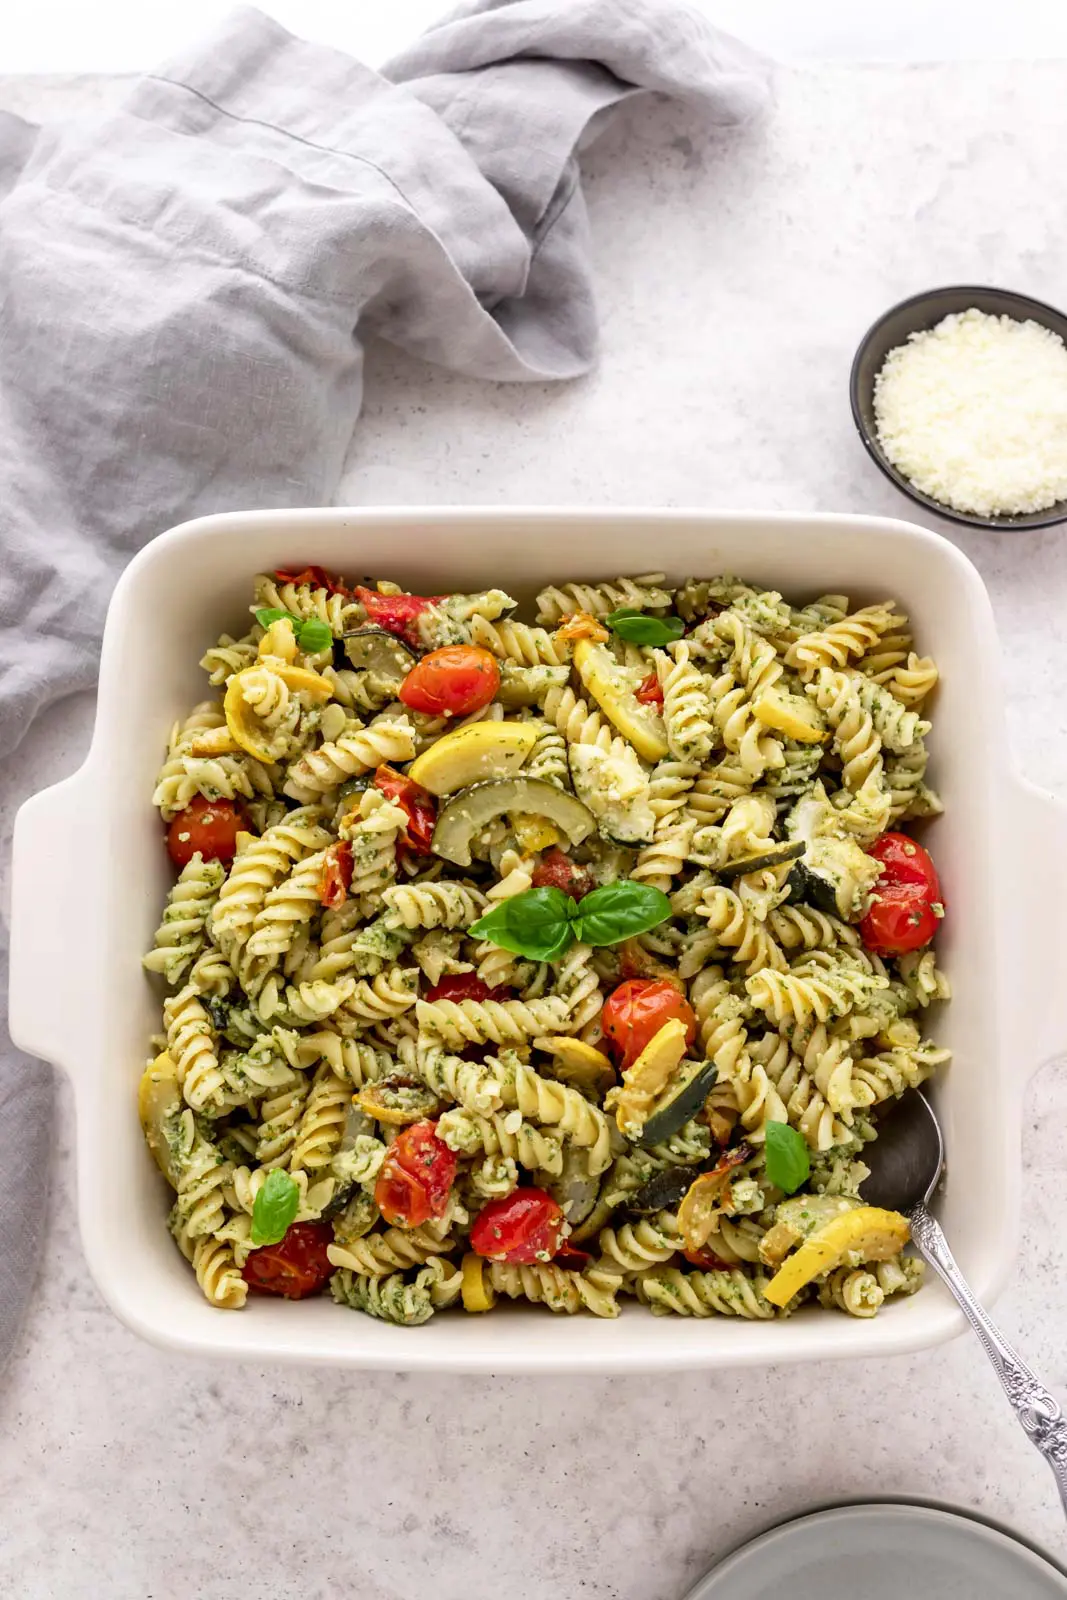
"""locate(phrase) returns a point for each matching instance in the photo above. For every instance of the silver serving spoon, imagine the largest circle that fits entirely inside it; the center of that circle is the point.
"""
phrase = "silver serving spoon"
(906, 1162)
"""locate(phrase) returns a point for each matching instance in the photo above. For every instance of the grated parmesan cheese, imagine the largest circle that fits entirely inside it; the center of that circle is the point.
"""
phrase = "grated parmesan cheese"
(974, 413)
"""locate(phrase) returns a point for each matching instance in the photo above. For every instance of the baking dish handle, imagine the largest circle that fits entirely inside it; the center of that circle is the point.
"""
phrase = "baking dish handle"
(49, 935)
(1038, 956)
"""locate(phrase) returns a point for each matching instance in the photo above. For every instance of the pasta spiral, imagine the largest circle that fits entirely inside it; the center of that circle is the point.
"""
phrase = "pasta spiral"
(433, 905)
(308, 601)
(518, 642)
(497, 1135)
(552, 1104)
(182, 933)
(855, 738)
(191, 1042)
(854, 1290)
(216, 1271)
(318, 1136)
(706, 1294)
(388, 740)
(843, 641)
(390, 1299)
(686, 706)
(395, 1250)
(458, 1023)
(600, 599)
(737, 930)
(561, 1291)
(258, 867)
(638, 1245)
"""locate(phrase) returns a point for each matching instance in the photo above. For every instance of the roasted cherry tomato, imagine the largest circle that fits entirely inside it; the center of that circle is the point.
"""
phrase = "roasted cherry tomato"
(294, 1267)
(419, 804)
(636, 1011)
(396, 613)
(707, 1259)
(316, 577)
(206, 827)
(415, 1177)
(570, 1258)
(904, 861)
(466, 986)
(650, 691)
(555, 870)
(901, 918)
(524, 1226)
(336, 875)
(453, 682)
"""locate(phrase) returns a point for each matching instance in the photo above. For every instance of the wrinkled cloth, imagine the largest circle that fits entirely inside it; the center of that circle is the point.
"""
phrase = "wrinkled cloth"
(183, 284)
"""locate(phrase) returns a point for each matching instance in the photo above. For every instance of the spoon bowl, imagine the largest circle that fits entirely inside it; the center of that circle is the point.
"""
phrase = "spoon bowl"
(908, 1156)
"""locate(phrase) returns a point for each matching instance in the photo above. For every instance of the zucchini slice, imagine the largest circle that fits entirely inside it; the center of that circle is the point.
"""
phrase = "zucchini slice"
(475, 754)
(469, 812)
(664, 1191)
(835, 874)
(374, 650)
(790, 850)
(683, 1096)
(527, 686)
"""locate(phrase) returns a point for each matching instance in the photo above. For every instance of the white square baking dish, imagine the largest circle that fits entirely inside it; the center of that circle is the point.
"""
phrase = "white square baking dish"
(90, 876)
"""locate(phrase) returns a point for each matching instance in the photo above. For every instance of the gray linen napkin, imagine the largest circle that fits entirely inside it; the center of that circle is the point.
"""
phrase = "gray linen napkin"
(181, 284)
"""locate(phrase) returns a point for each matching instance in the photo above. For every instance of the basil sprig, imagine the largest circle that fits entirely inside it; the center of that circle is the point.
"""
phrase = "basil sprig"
(274, 1208)
(788, 1162)
(640, 628)
(311, 635)
(542, 923)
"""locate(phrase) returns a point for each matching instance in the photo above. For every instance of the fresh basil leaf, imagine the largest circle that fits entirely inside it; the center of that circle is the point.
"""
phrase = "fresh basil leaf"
(313, 636)
(788, 1161)
(619, 911)
(535, 924)
(268, 614)
(274, 1208)
(640, 628)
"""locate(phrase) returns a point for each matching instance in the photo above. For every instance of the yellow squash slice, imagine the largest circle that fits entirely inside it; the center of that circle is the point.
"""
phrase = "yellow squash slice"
(789, 714)
(867, 1234)
(245, 727)
(477, 1293)
(159, 1104)
(581, 1065)
(648, 1075)
(475, 754)
(534, 833)
(641, 725)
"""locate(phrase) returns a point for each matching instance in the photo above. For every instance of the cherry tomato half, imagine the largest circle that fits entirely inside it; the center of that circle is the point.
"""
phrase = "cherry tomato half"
(396, 613)
(466, 986)
(336, 875)
(904, 861)
(453, 682)
(901, 918)
(556, 870)
(294, 1267)
(636, 1011)
(415, 1177)
(206, 827)
(570, 1258)
(650, 691)
(419, 804)
(524, 1226)
(316, 577)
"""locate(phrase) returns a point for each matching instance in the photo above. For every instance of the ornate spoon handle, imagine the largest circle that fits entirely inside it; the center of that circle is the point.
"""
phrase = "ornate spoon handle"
(1035, 1407)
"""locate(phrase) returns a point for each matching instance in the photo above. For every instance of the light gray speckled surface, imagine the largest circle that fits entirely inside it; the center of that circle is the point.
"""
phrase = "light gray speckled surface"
(737, 275)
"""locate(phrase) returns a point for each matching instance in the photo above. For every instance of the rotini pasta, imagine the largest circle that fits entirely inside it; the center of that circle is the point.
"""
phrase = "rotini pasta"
(339, 1030)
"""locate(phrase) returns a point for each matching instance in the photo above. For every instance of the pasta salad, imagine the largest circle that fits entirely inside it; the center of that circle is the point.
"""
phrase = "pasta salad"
(563, 961)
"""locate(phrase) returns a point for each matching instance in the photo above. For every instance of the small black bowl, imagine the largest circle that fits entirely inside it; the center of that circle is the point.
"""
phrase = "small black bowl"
(918, 312)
